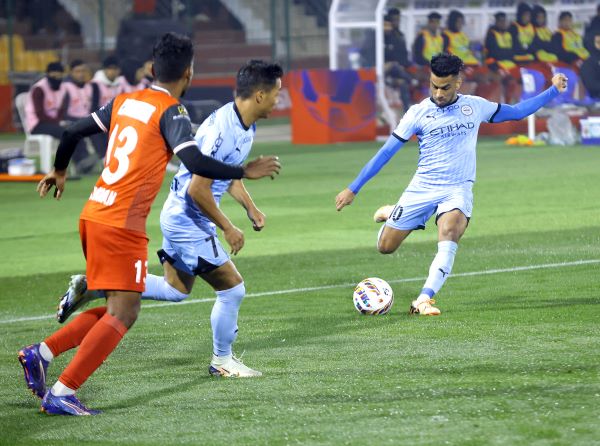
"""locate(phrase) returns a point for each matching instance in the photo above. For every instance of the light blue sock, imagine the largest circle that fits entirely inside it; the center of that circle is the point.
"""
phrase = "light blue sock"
(157, 288)
(223, 318)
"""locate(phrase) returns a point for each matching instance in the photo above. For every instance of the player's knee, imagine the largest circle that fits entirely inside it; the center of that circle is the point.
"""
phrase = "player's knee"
(176, 294)
(233, 295)
(386, 247)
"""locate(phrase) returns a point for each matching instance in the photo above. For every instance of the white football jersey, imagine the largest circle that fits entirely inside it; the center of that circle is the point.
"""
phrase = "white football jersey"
(447, 138)
(224, 137)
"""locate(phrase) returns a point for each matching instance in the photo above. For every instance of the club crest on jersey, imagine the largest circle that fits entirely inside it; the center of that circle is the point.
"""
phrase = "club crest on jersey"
(466, 110)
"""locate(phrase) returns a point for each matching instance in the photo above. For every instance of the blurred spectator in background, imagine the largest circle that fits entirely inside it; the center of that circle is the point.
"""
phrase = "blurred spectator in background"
(395, 56)
(148, 76)
(590, 70)
(542, 41)
(46, 107)
(132, 73)
(106, 79)
(429, 41)
(456, 42)
(83, 97)
(591, 31)
(522, 32)
(567, 44)
(500, 57)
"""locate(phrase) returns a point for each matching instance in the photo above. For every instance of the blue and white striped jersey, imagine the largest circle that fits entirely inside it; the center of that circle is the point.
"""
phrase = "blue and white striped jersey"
(447, 138)
(223, 136)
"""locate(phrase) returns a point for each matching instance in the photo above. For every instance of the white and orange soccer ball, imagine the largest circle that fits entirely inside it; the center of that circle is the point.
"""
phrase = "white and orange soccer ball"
(373, 296)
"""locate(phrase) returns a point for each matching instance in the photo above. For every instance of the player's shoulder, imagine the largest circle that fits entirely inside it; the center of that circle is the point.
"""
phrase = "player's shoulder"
(417, 110)
(473, 99)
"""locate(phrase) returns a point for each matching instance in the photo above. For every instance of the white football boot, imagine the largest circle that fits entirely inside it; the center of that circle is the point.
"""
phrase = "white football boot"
(231, 367)
(74, 298)
(383, 213)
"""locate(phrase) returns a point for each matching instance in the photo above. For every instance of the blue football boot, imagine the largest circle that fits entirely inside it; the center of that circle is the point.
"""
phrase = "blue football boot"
(35, 368)
(65, 405)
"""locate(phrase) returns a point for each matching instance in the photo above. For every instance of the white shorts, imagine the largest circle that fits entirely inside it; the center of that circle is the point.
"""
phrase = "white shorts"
(193, 253)
(416, 206)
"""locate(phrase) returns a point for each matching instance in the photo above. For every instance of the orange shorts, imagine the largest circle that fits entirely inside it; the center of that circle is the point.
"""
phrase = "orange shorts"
(116, 258)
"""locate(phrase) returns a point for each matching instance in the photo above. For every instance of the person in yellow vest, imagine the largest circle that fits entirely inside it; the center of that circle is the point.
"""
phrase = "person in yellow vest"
(500, 57)
(542, 40)
(522, 32)
(429, 41)
(457, 42)
(567, 44)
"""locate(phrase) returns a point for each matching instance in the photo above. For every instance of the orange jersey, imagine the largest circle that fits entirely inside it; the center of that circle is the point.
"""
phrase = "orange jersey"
(145, 128)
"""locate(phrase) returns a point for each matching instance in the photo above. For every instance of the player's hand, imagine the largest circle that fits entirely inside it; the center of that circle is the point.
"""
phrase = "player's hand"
(257, 218)
(263, 166)
(234, 238)
(53, 179)
(344, 198)
(560, 82)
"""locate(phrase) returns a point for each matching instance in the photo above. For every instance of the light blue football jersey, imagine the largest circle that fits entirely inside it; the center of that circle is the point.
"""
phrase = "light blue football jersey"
(447, 139)
(224, 137)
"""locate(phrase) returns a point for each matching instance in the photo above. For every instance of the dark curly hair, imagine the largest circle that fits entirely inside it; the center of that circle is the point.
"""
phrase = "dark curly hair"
(172, 55)
(256, 75)
(445, 64)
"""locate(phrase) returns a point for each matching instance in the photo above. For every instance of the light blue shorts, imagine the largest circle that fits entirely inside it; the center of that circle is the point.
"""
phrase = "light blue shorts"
(193, 254)
(416, 206)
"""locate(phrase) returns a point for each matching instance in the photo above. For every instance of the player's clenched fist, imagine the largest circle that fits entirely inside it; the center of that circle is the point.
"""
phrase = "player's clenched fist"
(560, 82)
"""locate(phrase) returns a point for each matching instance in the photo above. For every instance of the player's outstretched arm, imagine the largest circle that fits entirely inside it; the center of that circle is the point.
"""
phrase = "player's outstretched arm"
(529, 106)
(381, 158)
(68, 142)
(239, 192)
(201, 192)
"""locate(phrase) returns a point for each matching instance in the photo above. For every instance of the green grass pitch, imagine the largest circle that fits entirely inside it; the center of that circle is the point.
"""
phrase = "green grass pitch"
(512, 360)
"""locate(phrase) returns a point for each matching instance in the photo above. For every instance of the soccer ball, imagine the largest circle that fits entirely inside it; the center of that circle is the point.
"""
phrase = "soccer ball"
(373, 296)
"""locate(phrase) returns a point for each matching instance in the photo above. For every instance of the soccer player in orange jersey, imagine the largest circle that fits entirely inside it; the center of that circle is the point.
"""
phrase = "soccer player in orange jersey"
(145, 127)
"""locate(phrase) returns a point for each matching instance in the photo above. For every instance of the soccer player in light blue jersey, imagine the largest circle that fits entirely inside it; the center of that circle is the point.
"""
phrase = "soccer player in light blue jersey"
(191, 214)
(446, 126)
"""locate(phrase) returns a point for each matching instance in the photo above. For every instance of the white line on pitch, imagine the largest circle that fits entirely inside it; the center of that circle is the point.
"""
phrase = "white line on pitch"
(341, 285)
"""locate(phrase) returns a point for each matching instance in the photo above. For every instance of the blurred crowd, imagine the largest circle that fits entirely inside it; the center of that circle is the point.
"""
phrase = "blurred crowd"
(492, 66)
(66, 94)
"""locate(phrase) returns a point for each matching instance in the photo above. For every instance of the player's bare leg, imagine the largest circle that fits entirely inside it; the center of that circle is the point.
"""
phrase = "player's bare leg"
(229, 286)
(451, 227)
(390, 239)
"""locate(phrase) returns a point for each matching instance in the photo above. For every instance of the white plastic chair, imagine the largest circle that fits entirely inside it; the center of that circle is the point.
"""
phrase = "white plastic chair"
(45, 144)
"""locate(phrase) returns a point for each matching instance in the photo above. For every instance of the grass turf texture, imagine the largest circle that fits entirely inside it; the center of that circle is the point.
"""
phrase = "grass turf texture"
(512, 360)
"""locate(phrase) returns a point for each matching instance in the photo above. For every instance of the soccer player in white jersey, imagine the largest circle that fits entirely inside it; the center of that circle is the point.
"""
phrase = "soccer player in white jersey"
(446, 126)
(191, 214)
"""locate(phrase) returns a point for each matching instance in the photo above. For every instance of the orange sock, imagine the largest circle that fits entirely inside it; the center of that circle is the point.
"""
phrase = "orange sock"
(100, 341)
(72, 334)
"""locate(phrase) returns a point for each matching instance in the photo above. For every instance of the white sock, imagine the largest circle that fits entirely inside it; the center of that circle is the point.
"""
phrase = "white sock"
(46, 352)
(59, 389)
(157, 288)
(439, 270)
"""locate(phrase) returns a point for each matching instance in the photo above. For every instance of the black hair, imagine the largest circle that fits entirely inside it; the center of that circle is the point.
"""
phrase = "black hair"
(172, 55)
(434, 16)
(564, 15)
(256, 75)
(110, 61)
(393, 11)
(537, 9)
(76, 63)
(445, 64)
(500, 15)
(54, 66)
(453, 17)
